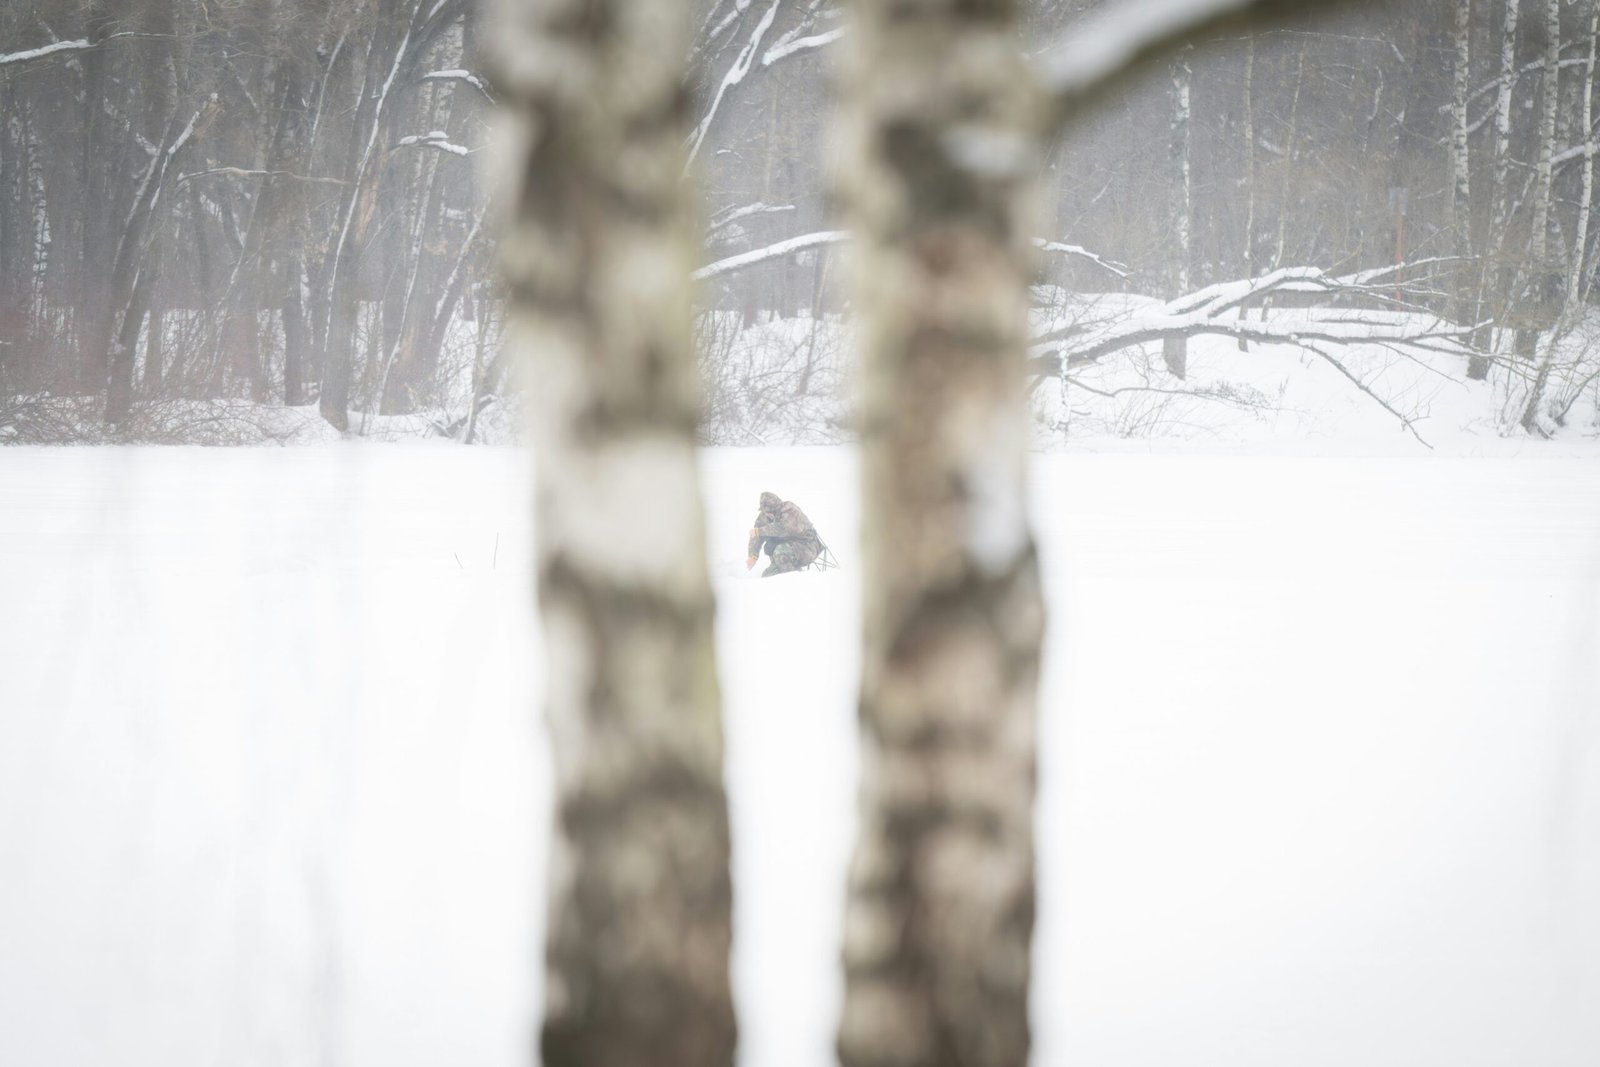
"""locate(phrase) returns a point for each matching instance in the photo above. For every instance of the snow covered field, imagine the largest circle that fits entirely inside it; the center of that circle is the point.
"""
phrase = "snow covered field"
(1320, 767)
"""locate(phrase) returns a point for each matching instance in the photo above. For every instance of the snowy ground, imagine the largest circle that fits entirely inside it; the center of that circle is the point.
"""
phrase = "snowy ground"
(1320, 759)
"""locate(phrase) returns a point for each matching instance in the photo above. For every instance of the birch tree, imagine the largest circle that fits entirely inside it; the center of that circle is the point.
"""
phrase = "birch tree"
(1175, 351)
(940, 143)
(1505, 86)
(1469, 292)
(942, 136)
(597, 254)
(1247, 252)
(1580, 239)
(1572, 308)
(1460, 157)
(1550, 102)
(1541, 284)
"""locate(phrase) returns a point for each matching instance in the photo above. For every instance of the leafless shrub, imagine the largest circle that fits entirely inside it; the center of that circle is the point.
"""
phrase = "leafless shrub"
(780, 381)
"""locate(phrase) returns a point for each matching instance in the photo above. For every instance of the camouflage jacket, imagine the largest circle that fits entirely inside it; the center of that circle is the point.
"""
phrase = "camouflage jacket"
(779, 521)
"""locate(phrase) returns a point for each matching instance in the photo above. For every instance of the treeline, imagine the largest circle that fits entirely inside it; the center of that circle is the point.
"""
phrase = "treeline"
(282, 201)
(271, 201)
(1453, 134)
(1453, 139)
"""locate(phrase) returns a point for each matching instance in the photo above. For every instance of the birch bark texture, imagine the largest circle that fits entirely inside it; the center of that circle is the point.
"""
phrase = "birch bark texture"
(1499, 268)
(1175, 350)
(939, 141)
(1580, 240)
(1550, 102)
(1460, 155)
(1542, 285)
(597, 256)
(1505, 85)
(1469, 293)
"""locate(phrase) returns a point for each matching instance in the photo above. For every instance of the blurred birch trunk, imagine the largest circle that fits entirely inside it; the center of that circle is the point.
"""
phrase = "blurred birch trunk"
(597, 256)
(941, 145)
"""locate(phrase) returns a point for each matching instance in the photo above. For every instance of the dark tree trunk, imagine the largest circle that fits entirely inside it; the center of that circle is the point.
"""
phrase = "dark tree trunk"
(124, 350)
(1175, 354)
(296, 337)
(95, 288)
(385, 55)
(16, 256)
(134, 270)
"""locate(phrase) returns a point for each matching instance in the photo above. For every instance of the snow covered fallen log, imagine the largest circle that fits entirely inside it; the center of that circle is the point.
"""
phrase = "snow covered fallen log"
(828, 237)
(1344, 338)
(1207, 312)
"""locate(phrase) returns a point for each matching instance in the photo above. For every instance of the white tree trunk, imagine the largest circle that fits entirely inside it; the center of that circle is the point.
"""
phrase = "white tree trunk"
(940, 151)
(1502, 118)
(1460, 155)
(1470, 289)
(1175, 351)
(1550, 92)
(1541, 288)
(1250, 158)
(1183, 213)
(1497, 288)
(1580, 241)
(1249, 170)
(1286, 206)
(597, 257)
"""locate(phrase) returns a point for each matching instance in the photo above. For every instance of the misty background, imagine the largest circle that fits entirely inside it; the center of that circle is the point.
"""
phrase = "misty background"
(219, 217)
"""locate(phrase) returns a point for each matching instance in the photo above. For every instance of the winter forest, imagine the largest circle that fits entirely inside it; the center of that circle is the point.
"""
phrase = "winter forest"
(219, 216)
(799, 533)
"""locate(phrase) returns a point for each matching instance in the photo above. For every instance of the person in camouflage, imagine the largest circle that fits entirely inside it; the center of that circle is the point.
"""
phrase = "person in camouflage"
(787, 535)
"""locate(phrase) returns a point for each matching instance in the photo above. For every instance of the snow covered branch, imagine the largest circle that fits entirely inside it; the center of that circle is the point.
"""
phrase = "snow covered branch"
(828, 237)
(791, 45)
(241, 172)
(1115, 38)
(1078, 250)
(58, 47)
(723, 219)
(782, 248)
(45, 50)
(734, 75)
(464, 76)
(434, 139)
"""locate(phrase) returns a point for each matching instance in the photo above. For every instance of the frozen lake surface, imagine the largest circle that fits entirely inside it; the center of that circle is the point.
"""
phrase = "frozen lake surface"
(1320, 759)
